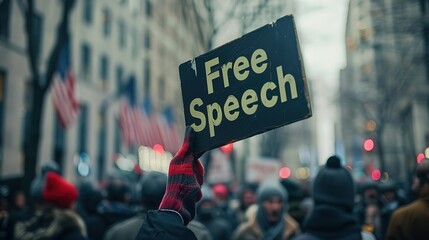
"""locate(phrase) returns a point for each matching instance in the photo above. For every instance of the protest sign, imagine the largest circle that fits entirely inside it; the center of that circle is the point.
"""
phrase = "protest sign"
(245, 87)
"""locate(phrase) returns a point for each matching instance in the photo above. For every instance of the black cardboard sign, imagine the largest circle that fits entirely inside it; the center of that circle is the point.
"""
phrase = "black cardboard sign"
(248, 86)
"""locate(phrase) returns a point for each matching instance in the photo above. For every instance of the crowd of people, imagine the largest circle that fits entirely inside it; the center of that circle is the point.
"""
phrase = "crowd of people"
(180, 206)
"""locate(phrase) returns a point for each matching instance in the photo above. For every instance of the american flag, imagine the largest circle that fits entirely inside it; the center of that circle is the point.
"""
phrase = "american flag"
(63, 89)
(142, 127)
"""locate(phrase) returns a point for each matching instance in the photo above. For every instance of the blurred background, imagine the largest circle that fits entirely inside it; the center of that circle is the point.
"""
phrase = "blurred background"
(94, 86)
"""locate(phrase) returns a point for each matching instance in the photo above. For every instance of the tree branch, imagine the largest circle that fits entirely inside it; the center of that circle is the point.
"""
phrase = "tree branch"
(22, 6)
(62, 37)
(31, 47)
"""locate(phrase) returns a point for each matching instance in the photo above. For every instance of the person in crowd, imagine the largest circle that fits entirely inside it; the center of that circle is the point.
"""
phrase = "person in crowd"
(55, 219)
(373, 221)
(183, 191)
(212, 216)
(411, 221)
(221, 197)
(89, 199)
(270, 220)
(152, 189)
(368, 209)
(6, 230)
(36, 188)
(332, 215)
(391, 202)
(246, 198)
(115, 208)
(296, 196)
(34, 203)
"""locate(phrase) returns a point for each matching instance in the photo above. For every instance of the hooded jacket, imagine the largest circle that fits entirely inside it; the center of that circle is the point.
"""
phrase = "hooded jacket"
(250, 229)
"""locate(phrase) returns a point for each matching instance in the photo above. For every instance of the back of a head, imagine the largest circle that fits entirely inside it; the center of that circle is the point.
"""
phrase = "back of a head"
(422, 171)
(89, 195)
(37, 184)
(50, 166)
(152, 188)
(117, 191)
(334, 185)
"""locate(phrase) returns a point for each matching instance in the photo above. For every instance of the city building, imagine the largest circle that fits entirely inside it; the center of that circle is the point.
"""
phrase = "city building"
(125, 49)
(384, 88)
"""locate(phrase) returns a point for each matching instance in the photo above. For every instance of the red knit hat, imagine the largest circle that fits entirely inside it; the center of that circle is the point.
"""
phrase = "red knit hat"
(58, 191)
(220, 190)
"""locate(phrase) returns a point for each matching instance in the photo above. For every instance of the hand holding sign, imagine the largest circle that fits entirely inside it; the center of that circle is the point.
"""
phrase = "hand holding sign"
(185, 178)
(251, 85)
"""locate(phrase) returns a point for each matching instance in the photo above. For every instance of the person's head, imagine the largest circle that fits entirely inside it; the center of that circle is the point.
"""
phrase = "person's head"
(388, 191)
(89, 196)
(37, 184)
(370, 191)
(206, 207)
(118, 191)
(248, 198)
(421, 176)
(4, 196)
(272, 201)
(152, 188)
(220, 192)
(334, 186)
(50, 166)
(58, 192)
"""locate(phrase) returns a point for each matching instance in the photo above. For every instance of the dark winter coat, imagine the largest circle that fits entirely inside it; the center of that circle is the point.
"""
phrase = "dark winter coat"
(53, 224)
(115, 212)
(411, 221)
(332, 222)
(129, 229)
(161, 224)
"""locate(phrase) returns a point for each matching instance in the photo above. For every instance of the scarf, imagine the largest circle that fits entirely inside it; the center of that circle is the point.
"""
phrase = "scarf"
(271, 231)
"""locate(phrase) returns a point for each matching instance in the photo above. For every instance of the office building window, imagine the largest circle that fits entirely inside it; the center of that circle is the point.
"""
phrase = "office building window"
(148, 7)
(59, 142)
(122, 29)
(85, 66)
(424, 6)
(117, 138)
(147, 40)
(4, 18)
(147, 73)
(107, 22)
(131, 90)
(119, 76)
(161, 88)
(104, 69)
(134, 46)
(102, 135)
(87, 11)
(83, 129)
(2, 106)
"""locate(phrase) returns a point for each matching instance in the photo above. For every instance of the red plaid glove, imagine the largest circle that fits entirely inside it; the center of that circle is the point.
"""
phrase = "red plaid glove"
(185, 177)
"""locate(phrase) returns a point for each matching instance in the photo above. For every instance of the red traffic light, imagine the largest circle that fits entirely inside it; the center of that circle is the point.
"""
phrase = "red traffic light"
(376, 175)
(284, 172)
(368, 145)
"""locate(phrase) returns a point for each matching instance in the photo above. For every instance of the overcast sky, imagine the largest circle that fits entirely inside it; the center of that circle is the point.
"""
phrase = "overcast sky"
(321, 29)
